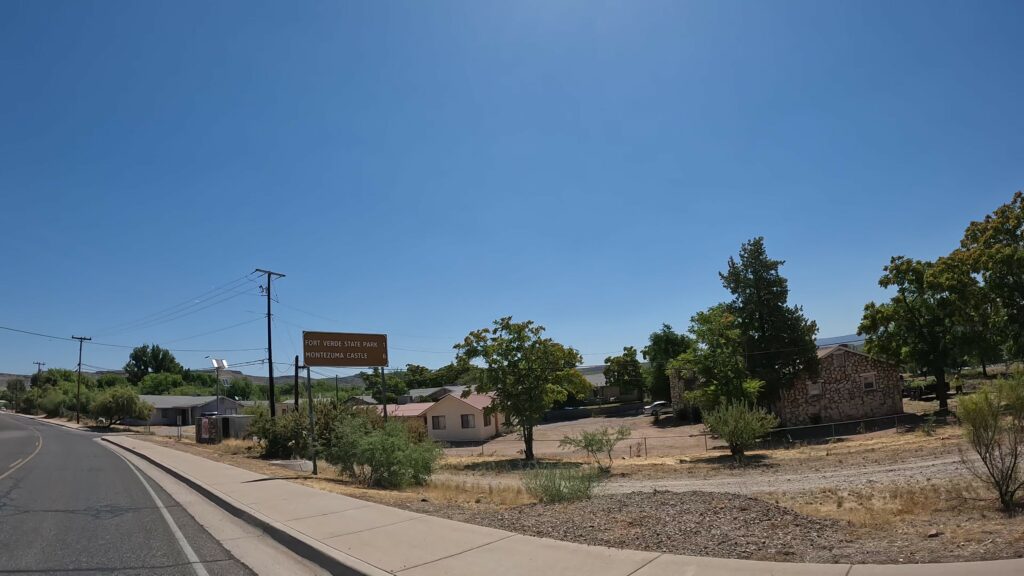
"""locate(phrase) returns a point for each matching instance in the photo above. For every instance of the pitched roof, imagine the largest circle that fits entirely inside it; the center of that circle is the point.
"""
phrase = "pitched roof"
(405, 410)
(478, 401)
(827, 350)
(160, 402)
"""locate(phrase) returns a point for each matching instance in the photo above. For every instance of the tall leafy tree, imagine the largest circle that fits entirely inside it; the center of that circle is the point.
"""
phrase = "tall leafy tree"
(663, 346)
(995, 249)
(148, 359)
(717, 360)
(527, 372)
(778, 340)
(417, 376)
(624, 371)
(921, 324)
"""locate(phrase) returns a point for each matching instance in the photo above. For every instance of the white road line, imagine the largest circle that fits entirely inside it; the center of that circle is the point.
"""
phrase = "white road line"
(193, 559)
(19, 464)
(15, 463)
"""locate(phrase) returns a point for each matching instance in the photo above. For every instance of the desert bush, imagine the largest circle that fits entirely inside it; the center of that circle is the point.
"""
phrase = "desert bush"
(993, 420)
(387, 455)
(53, 402)
(560, 484)
(285, 436)
(118, 404)
(597, 442)
(740, 425)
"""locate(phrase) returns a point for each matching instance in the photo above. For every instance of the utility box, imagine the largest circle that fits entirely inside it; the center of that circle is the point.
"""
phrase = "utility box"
(207, 431)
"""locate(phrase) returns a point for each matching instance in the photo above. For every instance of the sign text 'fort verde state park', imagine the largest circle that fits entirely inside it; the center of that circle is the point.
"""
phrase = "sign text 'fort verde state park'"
(340, 349)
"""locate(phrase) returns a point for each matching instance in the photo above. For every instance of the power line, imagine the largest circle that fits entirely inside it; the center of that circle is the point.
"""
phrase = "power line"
(179, 307)
(127, 346)
(249, 321)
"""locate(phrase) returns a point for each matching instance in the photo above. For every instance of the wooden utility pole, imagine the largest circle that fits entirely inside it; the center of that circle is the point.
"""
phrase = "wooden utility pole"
(270, 342)
(78, 401)
(384, 392)
(312, 420)
(296, 396)
(39, 366)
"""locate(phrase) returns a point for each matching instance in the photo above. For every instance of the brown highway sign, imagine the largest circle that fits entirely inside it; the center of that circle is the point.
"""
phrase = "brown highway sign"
(342, 349)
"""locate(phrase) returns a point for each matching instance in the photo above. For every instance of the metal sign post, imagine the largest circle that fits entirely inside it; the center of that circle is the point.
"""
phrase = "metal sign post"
(312, 420)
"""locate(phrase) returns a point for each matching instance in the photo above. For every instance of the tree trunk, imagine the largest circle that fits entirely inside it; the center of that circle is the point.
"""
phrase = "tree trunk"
(528, 442)
(984, 369)
(941, 388)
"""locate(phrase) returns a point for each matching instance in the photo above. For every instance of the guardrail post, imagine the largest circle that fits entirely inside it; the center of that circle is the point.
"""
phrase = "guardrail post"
(645, 447)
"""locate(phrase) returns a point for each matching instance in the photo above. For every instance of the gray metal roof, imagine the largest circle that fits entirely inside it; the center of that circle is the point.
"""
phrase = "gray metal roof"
(161, 402)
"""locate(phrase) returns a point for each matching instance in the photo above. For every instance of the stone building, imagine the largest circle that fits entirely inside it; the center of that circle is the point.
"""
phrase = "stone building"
(850, 386)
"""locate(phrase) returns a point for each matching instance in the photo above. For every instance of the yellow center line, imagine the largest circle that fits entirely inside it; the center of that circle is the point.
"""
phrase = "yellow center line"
(21, 463)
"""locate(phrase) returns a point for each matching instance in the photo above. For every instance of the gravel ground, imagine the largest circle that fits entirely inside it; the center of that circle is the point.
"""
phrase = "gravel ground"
(726, 525)
(853, 476)
(693, 523)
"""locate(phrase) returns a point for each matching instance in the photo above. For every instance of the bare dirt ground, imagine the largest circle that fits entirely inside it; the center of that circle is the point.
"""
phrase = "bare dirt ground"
(884, 497)
(664, 438)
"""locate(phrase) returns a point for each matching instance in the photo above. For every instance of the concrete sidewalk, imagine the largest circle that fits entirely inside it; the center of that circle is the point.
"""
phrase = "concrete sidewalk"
(359, 537)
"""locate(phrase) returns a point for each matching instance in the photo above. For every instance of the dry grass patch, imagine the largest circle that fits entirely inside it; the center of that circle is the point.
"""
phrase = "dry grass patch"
(886, 505)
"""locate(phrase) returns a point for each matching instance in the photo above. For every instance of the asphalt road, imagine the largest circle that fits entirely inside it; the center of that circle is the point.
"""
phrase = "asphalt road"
(69, 505)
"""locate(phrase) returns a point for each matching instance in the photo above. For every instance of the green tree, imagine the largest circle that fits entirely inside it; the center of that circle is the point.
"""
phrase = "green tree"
(417, 376)
(918, 325)
(395, 385)
(717, 360)
(118, 404)
(16, 389)
(777, 339)
(980, 326)
(995, 249)
(111, 381)
(201, 379)
(740, 424)
(527, 372)
(662, 347)
(53, 377)
(148, 359)
(624, 371)
(597, 443)
(239, 389)
(160, 383)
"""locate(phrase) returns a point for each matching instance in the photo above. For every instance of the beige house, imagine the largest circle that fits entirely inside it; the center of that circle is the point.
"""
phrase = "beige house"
(851, 385)
(457, 419)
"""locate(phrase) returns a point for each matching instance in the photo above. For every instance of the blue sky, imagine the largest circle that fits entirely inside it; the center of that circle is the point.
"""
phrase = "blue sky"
(422, 168)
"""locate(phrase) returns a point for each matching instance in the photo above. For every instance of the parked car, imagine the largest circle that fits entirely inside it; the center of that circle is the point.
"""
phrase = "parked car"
(658, 408)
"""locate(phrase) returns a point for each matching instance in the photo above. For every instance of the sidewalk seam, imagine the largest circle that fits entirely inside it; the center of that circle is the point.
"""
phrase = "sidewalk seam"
(644, 565)
(324, 560)
(457, 553)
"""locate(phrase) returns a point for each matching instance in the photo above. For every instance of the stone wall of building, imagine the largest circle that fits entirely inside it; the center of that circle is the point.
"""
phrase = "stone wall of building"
(841, 391)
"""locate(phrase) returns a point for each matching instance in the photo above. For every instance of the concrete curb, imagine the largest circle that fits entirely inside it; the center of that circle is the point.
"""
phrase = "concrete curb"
(335, 563)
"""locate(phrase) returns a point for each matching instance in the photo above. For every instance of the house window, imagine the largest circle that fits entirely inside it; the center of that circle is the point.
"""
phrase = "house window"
(437, 422)
(165, 413)
(814, 388)
(487, 420)
(468, 421)
(838, 359)
(868, 380)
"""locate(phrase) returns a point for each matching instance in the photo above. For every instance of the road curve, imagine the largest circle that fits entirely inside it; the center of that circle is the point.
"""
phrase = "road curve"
(69, 505)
